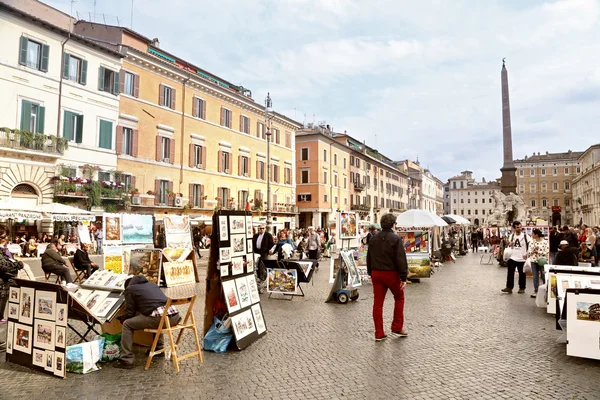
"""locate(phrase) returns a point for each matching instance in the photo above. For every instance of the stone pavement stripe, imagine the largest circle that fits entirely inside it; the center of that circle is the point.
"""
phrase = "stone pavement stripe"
(467, 341)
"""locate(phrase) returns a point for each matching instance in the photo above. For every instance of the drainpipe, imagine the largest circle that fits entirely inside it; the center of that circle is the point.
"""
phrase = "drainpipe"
(182, 133)
(62, 72)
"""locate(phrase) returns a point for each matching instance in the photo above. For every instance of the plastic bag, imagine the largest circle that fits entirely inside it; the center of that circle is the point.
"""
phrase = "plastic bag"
(111, 350)
(527, 267)
(82, 357)
(218, 337)
(540, 299)
(507, 254)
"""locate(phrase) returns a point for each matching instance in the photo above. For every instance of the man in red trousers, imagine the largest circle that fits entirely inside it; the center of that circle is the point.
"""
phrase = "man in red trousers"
(388, 268)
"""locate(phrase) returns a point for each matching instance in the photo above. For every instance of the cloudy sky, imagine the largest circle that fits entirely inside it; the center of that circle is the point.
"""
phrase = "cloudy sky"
(411, 78)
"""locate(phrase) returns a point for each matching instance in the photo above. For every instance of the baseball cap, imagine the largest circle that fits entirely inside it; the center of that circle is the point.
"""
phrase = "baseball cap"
(564, 242)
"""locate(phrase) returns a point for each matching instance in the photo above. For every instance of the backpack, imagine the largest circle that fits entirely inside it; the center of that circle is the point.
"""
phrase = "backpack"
(512, 238)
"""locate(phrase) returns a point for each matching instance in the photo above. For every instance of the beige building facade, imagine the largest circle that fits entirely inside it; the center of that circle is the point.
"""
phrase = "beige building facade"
(586, 188)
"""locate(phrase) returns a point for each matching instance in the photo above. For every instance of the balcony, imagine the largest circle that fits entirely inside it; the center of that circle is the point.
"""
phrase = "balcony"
(360, 207)
(284, 208)
(24, 142)
(359, 186)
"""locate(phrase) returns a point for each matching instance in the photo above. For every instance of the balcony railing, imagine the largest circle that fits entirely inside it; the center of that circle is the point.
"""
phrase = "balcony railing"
(360, 207)
(359, 186)
(38, 142)
(284, 208)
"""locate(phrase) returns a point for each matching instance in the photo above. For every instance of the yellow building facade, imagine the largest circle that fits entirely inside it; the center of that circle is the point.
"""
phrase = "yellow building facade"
(187, 139)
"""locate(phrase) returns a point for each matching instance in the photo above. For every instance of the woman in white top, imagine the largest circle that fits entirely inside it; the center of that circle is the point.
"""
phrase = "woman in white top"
(538, 256)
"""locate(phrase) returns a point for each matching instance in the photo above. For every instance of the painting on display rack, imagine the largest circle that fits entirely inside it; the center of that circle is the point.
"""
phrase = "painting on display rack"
(348, 225)
(26, 305)
(283, 281)
(177, 231)
(45, 305)
(113, 233)
(231, 297)
(237, 224)
(44, 334)
(146, 262)
(238, 245)
(179, 273)
(223, 230)
(137, 228)
(23, 338)
(243, 324)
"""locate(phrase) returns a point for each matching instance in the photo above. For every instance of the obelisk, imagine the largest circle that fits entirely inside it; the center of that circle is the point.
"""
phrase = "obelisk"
(509, 172)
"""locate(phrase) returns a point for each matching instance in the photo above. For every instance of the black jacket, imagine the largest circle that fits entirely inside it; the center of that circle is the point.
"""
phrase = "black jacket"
(386, 253)
(554, 242)
(571, 237)
(567, 256)
(51, 257)
(81, 259)
(143, 296)
(266, 244)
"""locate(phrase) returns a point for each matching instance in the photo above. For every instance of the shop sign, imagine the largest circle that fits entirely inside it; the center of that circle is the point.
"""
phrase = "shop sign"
(20, 215)
(555, 209)
(70, 218)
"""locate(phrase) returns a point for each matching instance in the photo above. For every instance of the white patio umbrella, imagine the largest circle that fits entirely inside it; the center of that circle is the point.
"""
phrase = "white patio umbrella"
(57, 208)
(419, 218)
(459, 220)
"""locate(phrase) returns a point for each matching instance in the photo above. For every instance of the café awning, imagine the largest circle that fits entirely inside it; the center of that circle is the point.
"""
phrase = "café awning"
(16, 209)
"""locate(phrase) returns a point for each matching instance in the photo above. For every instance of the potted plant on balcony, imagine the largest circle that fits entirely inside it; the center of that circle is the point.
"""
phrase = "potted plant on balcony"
(218, 205)
(39, 139)
(151, 193)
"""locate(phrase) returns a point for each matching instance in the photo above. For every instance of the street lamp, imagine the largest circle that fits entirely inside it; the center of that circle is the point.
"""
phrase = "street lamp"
(268, 118)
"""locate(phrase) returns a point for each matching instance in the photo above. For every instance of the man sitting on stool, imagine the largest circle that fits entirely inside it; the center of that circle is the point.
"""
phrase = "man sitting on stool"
(147, 299)
(82, 261)
(52, 262)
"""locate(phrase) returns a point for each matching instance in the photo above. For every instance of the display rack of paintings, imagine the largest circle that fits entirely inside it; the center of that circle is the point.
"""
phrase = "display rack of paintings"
(233, 261)
(583, 322)
(561, 278)
(37, 326)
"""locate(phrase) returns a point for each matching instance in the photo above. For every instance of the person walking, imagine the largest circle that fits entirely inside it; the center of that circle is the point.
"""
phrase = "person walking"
(313, 243)
(538, 256)
(518, 242)
(388, 268)
(99, 240)
(262, 243)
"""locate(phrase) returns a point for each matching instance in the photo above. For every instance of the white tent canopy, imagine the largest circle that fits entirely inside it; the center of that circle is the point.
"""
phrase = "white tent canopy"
(16, 209)
(459, 220)
(57, 208)
(419, 218)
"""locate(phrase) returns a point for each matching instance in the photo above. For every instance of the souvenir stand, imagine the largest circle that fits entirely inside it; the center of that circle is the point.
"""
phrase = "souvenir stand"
(230, 277)
(347, 234)
(582, 321)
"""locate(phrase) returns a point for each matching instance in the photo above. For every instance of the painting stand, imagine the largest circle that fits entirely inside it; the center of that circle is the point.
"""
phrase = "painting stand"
(302, 278)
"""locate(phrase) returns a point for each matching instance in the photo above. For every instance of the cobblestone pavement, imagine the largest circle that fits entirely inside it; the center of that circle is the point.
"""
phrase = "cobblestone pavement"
(467, 341)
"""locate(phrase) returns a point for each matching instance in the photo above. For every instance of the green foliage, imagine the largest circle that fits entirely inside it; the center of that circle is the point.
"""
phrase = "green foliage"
(94, 194)
(110, 207)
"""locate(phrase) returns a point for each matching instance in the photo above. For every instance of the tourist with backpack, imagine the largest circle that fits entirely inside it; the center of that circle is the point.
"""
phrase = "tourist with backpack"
(518, 243)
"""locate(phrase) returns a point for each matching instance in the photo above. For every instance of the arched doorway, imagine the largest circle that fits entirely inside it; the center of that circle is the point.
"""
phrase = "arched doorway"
(27, 193)
(28, 197)
(556, 219)
(476, 221)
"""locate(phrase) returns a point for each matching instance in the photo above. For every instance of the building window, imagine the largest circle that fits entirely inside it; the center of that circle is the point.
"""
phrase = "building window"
(325, 177)
(335, 159)
(103, 176)
(344, 162)
(165, 149)
(197, 196)
(73, 126)
(167, 96)
(197, 156)
(325, 198)
(163, 192)
(543, 172)
(454, 201)
(244, 124)
(245, 166)
(74, 69)
(304, 176)
(544, 203)
(520, 172)
(567, 202)
(304, 154)
(532, 172)
(357, 161)
(108, 81)
(128, 83)
(127, 141)
(288, 139)
(567, 185)
(277, 136)
(578, 170)
(224, 195)
(556, 202)
(462, 201)
(199, 108)
(475, 201)
(532, 186)
(287, 176)
(105, 136)
(260, 130)
(351, 160)
(275, 177)
(567, 171)
(324, 155)
(260, 170)
(225, 162)
(462, 212)
(469, 201)
(555, 171)
(476, 212)
(533, 203)
(469, 212)
(555, 186)
(226, 117)
(32, 117)
(335, 180)
(33, 54)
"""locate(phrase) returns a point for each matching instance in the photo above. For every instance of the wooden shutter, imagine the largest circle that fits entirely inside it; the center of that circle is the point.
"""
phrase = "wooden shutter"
(171, 186)
(240, 165)
(173, 98)
(249, 168)
(45, 55)
(134, 143)
(79, 130)
(230, 163)
(172, 151)
(203, 109)
(241, 123)
(191, 194)
(122, 80)
(158, 148)
(40, 119)
(119, 139)
(101, 79)
(203, 149)
(136, 86)
(222, 116)
(161, 95)
(65, 65)
(83, 74)
(257, 169)
(195, 111)
(25, 115)
(23, 50)
(220, 161)
(67, 125)
(191, 157)
(117, 83)
(157, 191)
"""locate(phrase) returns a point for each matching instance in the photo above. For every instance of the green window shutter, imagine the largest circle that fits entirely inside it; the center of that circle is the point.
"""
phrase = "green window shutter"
(66, 58)
(45, 55)
(79, 131)
(101, 79)
(40, 119)
(105, 135)
(23, 51)
(117, 85)
(68, 126)
(25, 115)
(83, 75)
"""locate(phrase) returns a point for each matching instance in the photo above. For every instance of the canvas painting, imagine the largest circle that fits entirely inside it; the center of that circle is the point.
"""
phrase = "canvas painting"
(49, 366)
(419, 265)
(553, 286)
(177, 231)
(13, 295)
(223, 228)
(179, 273)
(26, 305)
(137, 228)
(249, 263)
(13, 311)
(588, 311)
(363, 274)
(283, 281)
(43, 334)
(38, 357)
(225, 254)
(237, 265)
(113, 259)
(112, 229)
(353, 277)
(415, 241)
(146, 262)
(249, 231)
(243, 324)
(243, 292)
(253, 288)
(231, 297)
(45, 305)
(22, 338)
(176, 254)
(224, 270)
(60, 337)
(258, 319)
(238, 245)
(348, 225)
(59, 364)
(10, 335)
(237, 224)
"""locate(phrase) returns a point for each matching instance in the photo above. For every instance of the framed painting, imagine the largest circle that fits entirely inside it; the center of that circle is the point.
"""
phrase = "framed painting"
(45, 305)
(237, 224)
(225, 254)
(238, 245)
(49, 364)
(223, 228)
(243, 292)
(22, 338)
(224, 270)
(253, 288)
(13, 311)
(258, 319)
(249, 231)
(10, 335)
(44, 334)
(60, 337)
(112, 225)
(38, 357)
(59, 364)
(348, 225)
(26, 305)
(13, 296)
(179, 273)
(231, 297)
(237, 265)
(282, 281)
(243, 324)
